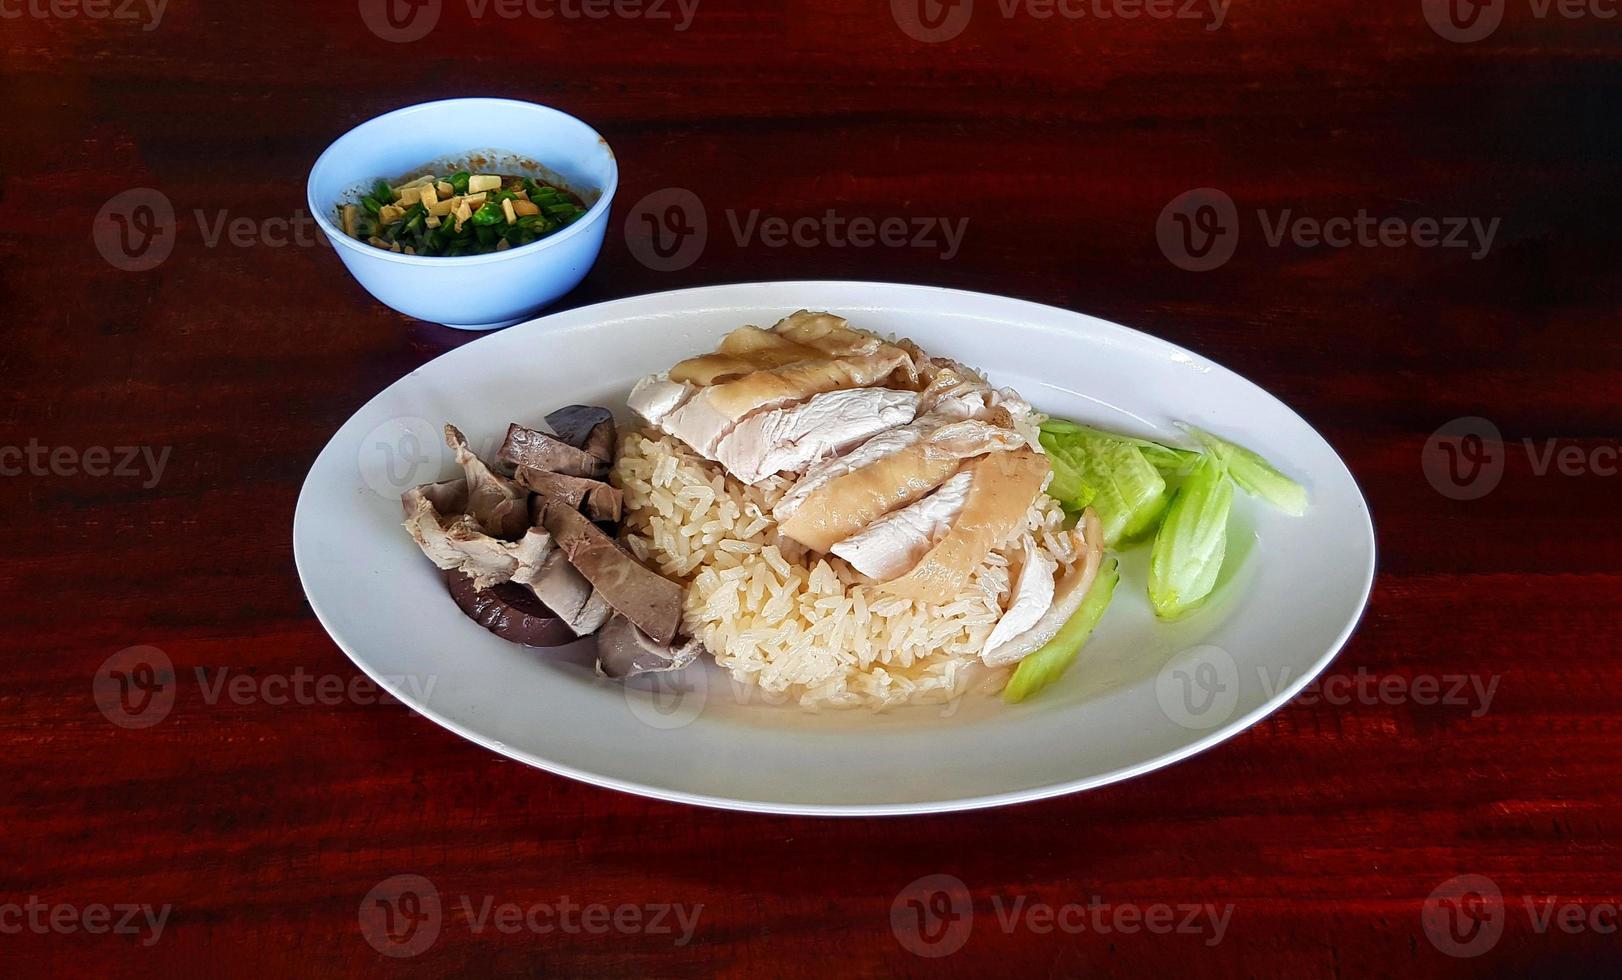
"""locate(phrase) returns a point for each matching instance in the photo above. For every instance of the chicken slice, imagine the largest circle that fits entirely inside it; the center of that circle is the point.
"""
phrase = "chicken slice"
(836, 338)
(1033, 594)
(790, 439)
(713, 411)
(895, 542)
(871, 451)
(500, 506)
(655, 397)
(1068, 594)
(743, 350)
(850, 502)
(1005, 484)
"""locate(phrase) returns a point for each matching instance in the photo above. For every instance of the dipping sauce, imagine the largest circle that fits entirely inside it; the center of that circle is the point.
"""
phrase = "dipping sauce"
(462, 214)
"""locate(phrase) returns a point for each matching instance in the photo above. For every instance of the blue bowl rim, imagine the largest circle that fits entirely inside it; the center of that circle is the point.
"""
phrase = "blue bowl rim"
(337, 236)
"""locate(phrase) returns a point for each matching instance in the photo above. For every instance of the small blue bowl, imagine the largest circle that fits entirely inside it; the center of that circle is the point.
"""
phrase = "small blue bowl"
(470, 292)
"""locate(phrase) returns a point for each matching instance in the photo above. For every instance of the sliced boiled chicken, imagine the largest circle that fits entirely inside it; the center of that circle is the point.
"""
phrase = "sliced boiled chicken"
(850, 501)
(871, 451)
(743, 350)
(711, 413)
(792, 438)
(828, 333)
(1068, 594)
(954, 391)
(655, 398)
(1032, 594)
(802, 336)
(897, 541)
(1001, 494)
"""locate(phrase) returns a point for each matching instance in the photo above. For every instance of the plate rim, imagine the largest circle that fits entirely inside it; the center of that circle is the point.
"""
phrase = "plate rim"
(1282, 696)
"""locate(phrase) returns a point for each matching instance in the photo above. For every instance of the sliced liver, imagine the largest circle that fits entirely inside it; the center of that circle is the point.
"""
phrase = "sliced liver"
(647, 598)
(539, 451)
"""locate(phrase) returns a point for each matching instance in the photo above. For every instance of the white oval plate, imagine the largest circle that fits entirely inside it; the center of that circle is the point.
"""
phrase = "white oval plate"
(1142, 695)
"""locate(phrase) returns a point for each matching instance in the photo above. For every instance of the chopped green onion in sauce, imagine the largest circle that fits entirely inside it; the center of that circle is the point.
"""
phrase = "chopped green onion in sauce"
(461, 214)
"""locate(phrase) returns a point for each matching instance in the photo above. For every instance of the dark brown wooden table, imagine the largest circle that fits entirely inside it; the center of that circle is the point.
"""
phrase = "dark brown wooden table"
(1469, 728)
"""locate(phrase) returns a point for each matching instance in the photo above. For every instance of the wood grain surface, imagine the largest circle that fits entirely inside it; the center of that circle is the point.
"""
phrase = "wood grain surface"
(1309, 846)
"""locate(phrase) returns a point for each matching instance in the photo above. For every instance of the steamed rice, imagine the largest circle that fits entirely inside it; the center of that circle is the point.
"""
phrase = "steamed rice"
(804, 628)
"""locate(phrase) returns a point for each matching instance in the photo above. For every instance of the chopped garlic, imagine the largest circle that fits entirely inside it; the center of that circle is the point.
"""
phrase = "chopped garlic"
(507, 209)
(483, 182)
(414, 184)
